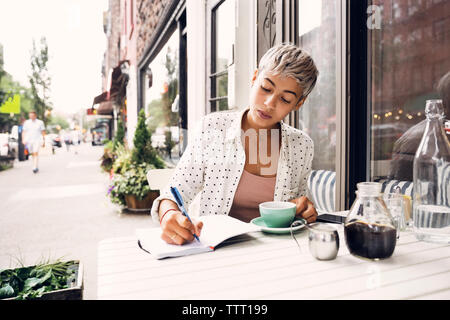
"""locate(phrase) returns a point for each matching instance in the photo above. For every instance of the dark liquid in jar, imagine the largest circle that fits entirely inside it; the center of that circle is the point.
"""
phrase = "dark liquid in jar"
(370, 241)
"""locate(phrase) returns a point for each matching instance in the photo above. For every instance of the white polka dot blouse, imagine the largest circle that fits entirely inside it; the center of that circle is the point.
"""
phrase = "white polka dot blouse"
(214, 160)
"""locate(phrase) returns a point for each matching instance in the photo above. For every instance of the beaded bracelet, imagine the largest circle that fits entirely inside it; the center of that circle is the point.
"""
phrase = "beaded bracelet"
(160, 220)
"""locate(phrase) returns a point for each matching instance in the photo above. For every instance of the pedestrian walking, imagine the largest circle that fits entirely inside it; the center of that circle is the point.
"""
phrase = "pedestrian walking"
(67, 140)
(33, 136)
(75, 141)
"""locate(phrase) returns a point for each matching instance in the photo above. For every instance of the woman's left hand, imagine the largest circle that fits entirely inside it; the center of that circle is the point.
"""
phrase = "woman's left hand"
(305, 209)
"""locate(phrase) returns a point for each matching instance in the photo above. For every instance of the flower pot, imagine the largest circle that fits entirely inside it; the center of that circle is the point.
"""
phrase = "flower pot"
(133, 203)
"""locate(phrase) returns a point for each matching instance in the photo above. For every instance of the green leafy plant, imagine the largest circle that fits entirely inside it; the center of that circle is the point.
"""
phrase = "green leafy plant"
(112, 148)
(133, 181)
(123, 160)
(5, 166)
(108, 157)
(120, 135)
(32, 282)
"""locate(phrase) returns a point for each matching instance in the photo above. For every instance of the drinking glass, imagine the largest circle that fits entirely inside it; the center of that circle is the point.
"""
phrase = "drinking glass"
(395, 202)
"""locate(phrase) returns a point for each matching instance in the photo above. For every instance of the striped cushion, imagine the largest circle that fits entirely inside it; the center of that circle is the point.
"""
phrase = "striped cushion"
(443, 191)
(407, 187)
(321, 184)
(388, 186)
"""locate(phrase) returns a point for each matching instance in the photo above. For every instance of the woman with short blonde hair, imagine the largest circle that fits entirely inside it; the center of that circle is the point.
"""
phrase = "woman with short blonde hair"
(239, 159)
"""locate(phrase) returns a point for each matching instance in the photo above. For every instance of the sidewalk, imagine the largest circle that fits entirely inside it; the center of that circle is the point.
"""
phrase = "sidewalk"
(62, 211)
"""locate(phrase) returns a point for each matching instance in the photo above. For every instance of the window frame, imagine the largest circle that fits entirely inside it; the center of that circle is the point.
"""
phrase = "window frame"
(358, 94)
(213, 75)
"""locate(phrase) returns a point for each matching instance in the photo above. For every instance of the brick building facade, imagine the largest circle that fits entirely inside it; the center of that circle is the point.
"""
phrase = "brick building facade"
(112, 27)
(128, 25)
(148, 15)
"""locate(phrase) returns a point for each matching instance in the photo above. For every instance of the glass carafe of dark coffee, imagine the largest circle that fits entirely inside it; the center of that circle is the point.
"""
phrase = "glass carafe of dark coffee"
(369, 228)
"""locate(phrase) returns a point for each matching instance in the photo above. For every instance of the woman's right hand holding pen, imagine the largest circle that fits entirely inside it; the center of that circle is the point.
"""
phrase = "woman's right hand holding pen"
(176, 228)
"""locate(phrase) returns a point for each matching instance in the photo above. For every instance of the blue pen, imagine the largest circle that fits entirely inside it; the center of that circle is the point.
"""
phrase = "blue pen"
(180, 204)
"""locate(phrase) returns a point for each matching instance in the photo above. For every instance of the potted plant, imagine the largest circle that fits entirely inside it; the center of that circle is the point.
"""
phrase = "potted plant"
(131, 189)
(111, 147)
(59, 280)
(123, 160)
(108, 157)
(129, 186)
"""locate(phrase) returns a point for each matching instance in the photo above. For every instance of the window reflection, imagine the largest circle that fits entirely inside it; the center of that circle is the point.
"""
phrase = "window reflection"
(317, 35)
(410, 54)
(161, 101)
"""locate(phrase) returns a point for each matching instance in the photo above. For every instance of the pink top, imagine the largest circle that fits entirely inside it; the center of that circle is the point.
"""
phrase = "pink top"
(251, 191)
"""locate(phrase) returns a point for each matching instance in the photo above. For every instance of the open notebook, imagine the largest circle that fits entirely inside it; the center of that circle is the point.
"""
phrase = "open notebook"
(216, 229)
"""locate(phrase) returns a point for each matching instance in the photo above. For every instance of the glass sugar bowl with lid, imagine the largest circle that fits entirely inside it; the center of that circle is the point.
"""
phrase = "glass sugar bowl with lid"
(369, 228)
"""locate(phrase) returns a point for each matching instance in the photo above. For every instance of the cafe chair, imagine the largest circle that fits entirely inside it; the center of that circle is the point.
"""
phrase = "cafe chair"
(321, 184)
(159, 178)
(390, 186)
(407, 188)
(322, 187)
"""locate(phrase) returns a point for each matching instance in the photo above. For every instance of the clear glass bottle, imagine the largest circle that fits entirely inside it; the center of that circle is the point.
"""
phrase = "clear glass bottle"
(431, 174)
(369, 228)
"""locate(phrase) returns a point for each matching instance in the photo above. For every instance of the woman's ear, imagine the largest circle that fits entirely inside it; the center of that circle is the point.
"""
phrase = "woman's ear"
(255, 75)
(300, 103)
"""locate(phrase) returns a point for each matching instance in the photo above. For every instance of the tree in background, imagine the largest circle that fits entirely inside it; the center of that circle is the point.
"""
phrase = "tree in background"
(143, 152)
(160, 110)
(40, 79)
(57, 120)
(170, 94)
(156, 112)
(5, 93)
(9, 88)
(2, 71)
(120, 135)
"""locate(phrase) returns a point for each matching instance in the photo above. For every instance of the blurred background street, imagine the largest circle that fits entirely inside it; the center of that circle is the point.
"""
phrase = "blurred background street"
(62, 211)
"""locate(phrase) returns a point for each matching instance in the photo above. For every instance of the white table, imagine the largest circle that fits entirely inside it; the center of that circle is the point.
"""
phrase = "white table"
(267, 266)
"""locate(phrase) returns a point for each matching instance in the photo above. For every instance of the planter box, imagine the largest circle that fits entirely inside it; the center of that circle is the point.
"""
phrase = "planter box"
(7, 161)
(74, 292)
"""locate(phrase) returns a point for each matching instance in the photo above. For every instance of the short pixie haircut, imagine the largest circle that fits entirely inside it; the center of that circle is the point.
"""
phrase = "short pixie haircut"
(289, 60)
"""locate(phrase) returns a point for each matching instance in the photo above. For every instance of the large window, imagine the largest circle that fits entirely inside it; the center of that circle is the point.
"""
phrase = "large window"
(317, 25)
(222, 52)
(409, 54)
(162, 100)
